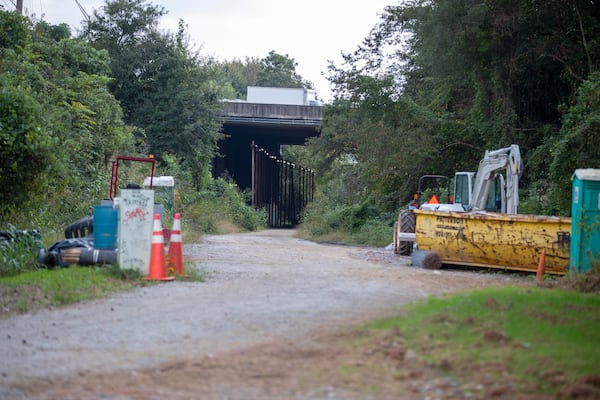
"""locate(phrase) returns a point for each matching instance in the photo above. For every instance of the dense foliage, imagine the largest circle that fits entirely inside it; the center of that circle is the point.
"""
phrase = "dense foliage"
(69, 105)
(436, 83)
(274, 70)
(59, 124)
(166, 90)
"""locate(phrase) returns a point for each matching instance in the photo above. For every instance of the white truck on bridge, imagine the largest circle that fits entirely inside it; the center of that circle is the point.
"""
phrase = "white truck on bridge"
(278, 95)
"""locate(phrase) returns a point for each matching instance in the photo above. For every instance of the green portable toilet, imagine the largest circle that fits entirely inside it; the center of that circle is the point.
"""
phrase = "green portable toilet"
(585, 217)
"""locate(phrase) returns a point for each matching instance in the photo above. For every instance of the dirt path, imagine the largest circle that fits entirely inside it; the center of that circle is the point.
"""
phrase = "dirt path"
(266, 324)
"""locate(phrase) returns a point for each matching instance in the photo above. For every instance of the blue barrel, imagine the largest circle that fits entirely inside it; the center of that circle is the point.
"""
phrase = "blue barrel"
(105, 227)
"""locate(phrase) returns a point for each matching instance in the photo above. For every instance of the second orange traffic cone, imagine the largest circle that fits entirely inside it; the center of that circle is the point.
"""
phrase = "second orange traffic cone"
(158, 271)
(175, 247)
(541, 270)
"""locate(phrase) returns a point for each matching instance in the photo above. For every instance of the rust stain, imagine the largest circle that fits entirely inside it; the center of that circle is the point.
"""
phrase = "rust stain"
(495, 240)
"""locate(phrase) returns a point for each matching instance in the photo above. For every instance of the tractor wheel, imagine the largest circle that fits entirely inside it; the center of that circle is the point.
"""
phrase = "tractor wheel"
(407, 225)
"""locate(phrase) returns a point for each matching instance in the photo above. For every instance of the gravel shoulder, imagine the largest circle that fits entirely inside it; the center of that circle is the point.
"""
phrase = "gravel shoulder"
(269, 299)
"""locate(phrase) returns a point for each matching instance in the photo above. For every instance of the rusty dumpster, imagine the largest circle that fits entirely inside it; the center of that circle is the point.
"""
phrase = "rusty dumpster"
(484, 239)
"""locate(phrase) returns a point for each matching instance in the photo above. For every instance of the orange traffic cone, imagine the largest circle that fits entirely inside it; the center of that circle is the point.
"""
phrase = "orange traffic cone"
(157, 271)
(175, 247)
(541, 270)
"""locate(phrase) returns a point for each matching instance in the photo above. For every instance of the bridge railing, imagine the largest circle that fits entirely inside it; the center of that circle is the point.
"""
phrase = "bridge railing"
(280, 187)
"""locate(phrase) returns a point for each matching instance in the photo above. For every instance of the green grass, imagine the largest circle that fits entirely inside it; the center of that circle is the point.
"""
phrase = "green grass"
(57, 287)
(18, 250)
(528, 331)
(361, 224)
(65, 286)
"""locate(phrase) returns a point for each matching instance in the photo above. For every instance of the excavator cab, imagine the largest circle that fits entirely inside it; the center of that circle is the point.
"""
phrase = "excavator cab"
(463, 188)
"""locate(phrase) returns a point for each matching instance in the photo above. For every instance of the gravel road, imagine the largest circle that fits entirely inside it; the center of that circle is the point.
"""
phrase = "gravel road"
(265, 287)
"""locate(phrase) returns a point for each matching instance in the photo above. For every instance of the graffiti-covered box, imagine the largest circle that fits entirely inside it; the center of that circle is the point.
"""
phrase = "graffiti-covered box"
(136, 207)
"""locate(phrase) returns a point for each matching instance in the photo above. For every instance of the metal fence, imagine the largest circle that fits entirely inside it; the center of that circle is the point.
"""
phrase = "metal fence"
(280, 187)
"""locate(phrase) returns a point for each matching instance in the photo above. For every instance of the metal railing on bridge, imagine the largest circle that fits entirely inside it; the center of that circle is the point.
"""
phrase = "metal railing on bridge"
(280, 187)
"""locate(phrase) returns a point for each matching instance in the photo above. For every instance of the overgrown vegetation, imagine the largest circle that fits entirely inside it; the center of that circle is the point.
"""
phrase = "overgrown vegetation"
(18, 251)
(526, 339)
(42, 288)
(360, 223)
(220, 208)
(433, 86)
(436, 83)
(69, 105)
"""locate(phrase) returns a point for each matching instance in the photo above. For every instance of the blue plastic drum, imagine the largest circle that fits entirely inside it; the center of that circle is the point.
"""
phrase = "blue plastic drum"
(105, 227)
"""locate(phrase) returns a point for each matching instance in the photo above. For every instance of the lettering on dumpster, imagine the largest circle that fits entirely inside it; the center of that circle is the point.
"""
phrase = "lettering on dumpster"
(449, 228)
(448, 220)
(563, 239)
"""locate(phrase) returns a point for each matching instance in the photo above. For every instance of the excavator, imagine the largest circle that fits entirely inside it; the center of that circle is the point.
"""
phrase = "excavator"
(485, 190)
(480, 224)
(489, 181)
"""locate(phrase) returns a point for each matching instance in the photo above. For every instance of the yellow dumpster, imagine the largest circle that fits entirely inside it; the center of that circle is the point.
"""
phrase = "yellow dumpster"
(504, 241)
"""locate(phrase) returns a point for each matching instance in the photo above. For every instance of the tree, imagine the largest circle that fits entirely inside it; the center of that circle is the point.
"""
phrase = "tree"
(58, 122)
(279, 70)
(25, 144)
(459, 77)
(170, 92)
(274, 70)
(579, 143)
(241, 74)
(123, 28)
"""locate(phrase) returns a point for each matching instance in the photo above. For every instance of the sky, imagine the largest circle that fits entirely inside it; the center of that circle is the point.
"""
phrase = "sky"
(312, 32)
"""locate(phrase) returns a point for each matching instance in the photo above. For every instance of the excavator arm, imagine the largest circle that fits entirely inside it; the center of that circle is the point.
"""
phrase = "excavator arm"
(509, 159)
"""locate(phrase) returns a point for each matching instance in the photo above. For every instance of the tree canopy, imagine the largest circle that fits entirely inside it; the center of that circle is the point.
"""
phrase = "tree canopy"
(59, 124)
(165, 89)
(436, 83)
(274, 70)
(278, 70)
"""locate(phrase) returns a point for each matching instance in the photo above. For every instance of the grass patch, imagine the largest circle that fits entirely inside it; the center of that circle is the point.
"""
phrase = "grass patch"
(361, 224)
(42, 288)
(523, 335)
(57, 287)
(18, 250)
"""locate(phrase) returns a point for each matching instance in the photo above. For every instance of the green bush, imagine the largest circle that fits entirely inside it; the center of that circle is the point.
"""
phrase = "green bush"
(18, 251)
(375, 232)
(220, 205)
(361, 223)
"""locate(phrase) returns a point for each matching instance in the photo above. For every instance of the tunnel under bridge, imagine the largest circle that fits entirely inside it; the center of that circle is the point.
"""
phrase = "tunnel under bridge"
(250, 155)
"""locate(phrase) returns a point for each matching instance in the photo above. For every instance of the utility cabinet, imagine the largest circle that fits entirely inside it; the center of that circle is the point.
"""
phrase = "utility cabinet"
(585, 221)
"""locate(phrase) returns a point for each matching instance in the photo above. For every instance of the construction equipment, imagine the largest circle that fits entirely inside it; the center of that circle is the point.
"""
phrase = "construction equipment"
(481, 226)
(433, 202)
(485, 190)
(405, 226)
(493, 240)
(487, 177)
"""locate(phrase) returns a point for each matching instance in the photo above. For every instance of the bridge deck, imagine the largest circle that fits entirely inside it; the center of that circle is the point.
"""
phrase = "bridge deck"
(267, 125)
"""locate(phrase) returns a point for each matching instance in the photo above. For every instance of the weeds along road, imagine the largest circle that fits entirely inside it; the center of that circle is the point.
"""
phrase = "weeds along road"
(262, 289)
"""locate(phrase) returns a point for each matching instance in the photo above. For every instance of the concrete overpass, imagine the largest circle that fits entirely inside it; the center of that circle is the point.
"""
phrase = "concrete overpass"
(268, 126)
(250, 155)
